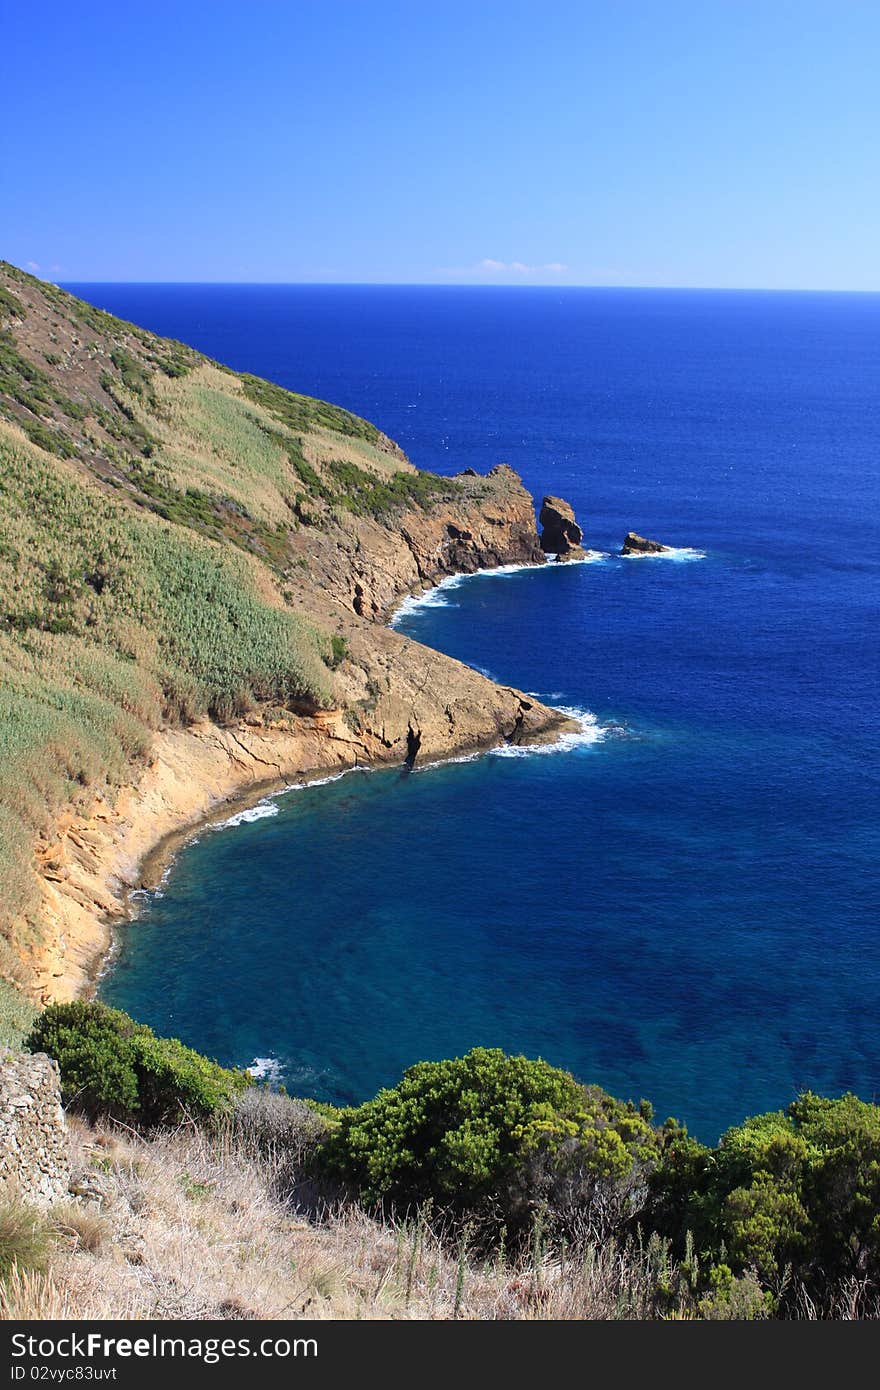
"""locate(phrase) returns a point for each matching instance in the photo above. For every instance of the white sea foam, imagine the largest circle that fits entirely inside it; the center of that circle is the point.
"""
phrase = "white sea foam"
(266, 1069)
(589, 557)
(589, 732)
(258, 812)
(319, 781)
(413, 603)
(437, 597)
(447, 762)
(269, 805)
(677, 553)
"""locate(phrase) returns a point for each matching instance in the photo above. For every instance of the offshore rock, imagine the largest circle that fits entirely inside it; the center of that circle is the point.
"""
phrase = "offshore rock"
(561, 536)
(640, 545)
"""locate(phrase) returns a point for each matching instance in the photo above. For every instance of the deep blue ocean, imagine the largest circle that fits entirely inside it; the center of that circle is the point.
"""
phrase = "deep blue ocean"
(686, 904)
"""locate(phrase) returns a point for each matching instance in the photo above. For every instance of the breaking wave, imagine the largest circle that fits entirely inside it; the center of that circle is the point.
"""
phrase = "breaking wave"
(266, 1069)
(269, 805)
(677, 553)
(589, 732)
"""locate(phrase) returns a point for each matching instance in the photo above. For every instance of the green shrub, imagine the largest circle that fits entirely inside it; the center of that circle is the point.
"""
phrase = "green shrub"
(489, 1134)
(173, 1079)
(790, 1195)
(361, 492)
(303, 413)
(338, 650)
(114, 1067)
(134, 377)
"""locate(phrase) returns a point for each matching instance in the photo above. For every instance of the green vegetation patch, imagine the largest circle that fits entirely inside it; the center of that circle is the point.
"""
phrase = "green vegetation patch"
(365, 494)
(11, 306)
(29, 387)
(792, 1193)
(489, 1133)
(134, 377)
(113, 1067)
(302, 413)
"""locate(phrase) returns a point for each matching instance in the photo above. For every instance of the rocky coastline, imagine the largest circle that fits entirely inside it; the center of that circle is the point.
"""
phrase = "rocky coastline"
(399, 702)
(199, 567)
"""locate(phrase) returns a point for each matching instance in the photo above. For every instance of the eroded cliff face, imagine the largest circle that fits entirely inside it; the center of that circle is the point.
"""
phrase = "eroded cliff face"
(400, 700)
(367, 564)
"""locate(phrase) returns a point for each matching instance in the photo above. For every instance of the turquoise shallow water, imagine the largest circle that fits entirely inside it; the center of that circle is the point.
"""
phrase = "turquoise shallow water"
(684, 905)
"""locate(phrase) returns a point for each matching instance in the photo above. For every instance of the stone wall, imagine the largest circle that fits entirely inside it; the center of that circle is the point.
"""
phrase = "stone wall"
(34, 1147)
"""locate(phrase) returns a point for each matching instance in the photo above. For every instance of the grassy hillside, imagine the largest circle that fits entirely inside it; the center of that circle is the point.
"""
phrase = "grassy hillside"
(152, 506)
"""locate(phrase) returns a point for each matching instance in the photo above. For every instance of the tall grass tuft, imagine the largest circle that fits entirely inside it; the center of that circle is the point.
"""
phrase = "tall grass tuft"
(25, 1237)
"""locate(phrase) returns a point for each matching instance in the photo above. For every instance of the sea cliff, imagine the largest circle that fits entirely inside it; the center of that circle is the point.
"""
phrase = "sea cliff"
(197, 569)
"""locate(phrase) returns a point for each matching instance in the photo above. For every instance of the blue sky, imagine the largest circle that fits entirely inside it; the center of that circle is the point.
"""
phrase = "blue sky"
(643, 142)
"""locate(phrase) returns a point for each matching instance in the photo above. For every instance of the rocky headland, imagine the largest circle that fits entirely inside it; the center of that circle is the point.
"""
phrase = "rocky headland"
(197, 569)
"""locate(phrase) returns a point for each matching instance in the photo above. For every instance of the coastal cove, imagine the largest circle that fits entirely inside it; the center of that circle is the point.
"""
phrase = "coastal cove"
(439, 680)
(683, 907)
(199, 776)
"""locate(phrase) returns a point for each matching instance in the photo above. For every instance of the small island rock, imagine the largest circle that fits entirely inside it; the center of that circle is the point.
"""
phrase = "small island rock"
(561, 536)
(639, 545)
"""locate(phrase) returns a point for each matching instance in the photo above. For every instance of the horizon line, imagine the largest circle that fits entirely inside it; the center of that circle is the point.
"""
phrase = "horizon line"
(467, 285)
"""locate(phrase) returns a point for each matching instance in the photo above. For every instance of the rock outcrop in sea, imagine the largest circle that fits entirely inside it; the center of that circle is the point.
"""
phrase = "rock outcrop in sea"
(635, 544)
(560, 535)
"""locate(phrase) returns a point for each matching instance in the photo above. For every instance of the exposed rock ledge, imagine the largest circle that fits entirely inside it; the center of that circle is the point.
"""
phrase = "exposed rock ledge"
(397, 702)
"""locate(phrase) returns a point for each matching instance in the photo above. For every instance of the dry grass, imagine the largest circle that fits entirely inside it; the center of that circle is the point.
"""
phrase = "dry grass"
(29, 1296)
(82, 1226)
(214, 440)
(188, 1226)
(322, 447)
